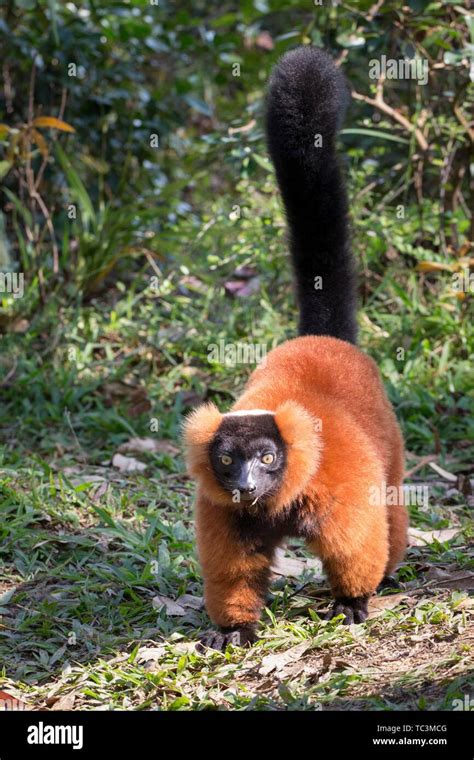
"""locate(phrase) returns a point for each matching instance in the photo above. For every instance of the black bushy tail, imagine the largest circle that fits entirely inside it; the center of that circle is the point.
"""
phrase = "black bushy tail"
(306, 101)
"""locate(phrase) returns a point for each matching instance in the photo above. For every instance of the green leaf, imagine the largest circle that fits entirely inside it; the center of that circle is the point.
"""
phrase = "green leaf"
(79, 191)
(5, 167)
(263, 162)
(22, 210)
(198, 105)
(350, 40)
(375, 133)
(54, 19)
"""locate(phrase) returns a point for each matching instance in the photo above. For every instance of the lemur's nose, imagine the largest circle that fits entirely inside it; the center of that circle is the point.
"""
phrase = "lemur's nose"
(246, 483)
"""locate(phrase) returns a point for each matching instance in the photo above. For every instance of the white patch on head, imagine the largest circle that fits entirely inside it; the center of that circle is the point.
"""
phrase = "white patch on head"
(247, 412)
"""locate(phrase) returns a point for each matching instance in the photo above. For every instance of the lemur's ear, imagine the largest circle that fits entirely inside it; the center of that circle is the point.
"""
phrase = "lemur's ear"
(201, 424)
(199, 429)
(299, 430)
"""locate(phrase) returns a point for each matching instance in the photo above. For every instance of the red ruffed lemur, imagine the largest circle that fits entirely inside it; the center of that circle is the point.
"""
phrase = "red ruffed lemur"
(313, 436)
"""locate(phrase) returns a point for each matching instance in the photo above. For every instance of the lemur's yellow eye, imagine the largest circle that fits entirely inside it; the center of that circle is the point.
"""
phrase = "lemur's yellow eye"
(226, 460)
(268, 459)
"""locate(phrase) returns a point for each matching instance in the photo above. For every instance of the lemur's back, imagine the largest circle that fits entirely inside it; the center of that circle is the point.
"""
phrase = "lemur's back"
(317, 369)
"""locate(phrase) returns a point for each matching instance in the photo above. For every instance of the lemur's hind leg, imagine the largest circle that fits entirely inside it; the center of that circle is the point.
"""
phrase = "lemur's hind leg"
(355, 609)
(388, 582)
(354, 575)
(353, 579)
(398, 535)
(397, 516)
(397, 512)
(236, 577)
(354, 549)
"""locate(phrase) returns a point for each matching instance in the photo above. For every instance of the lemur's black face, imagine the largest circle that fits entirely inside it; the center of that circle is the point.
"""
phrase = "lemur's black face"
(248, 456)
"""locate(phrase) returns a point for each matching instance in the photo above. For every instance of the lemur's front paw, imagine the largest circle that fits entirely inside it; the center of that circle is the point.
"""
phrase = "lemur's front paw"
(355, 609)
(238, 636)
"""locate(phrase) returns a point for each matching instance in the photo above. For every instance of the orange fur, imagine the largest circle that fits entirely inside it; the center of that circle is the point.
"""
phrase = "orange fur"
(299, 431)
(342, 441)
(235, 577)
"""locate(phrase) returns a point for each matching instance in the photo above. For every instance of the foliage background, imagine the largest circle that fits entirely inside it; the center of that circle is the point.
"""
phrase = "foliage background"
(122, 303)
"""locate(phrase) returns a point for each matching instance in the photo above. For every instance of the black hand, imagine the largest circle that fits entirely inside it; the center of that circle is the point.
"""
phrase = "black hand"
(238, 636)
(388, 582)
(354, 609)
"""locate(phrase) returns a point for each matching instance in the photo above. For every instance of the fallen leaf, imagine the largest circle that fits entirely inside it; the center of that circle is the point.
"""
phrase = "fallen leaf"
(293, 670)
(53, 123)
(150, 654)
(189, 285)
(65, 702)
(466, 604)
(135, 395)
(245, 128)
(437, 576)
(115, 390)
(20, 325)
(264, 686)
(185, 647)
(378, 604)
(194, 602)
(294, 567)
(148, 446)
(316, 669)
(190, 372)
(279, 661)
(245, 272)
(444, 473)
(5, 596)
(127, 464)
(417, 537)
(139, 403)
(172, 608)
(99, 492)
(434, 266)
(342, 665)
(242, 288)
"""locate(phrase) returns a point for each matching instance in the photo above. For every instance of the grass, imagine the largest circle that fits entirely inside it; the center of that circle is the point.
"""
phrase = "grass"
(90, 556)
